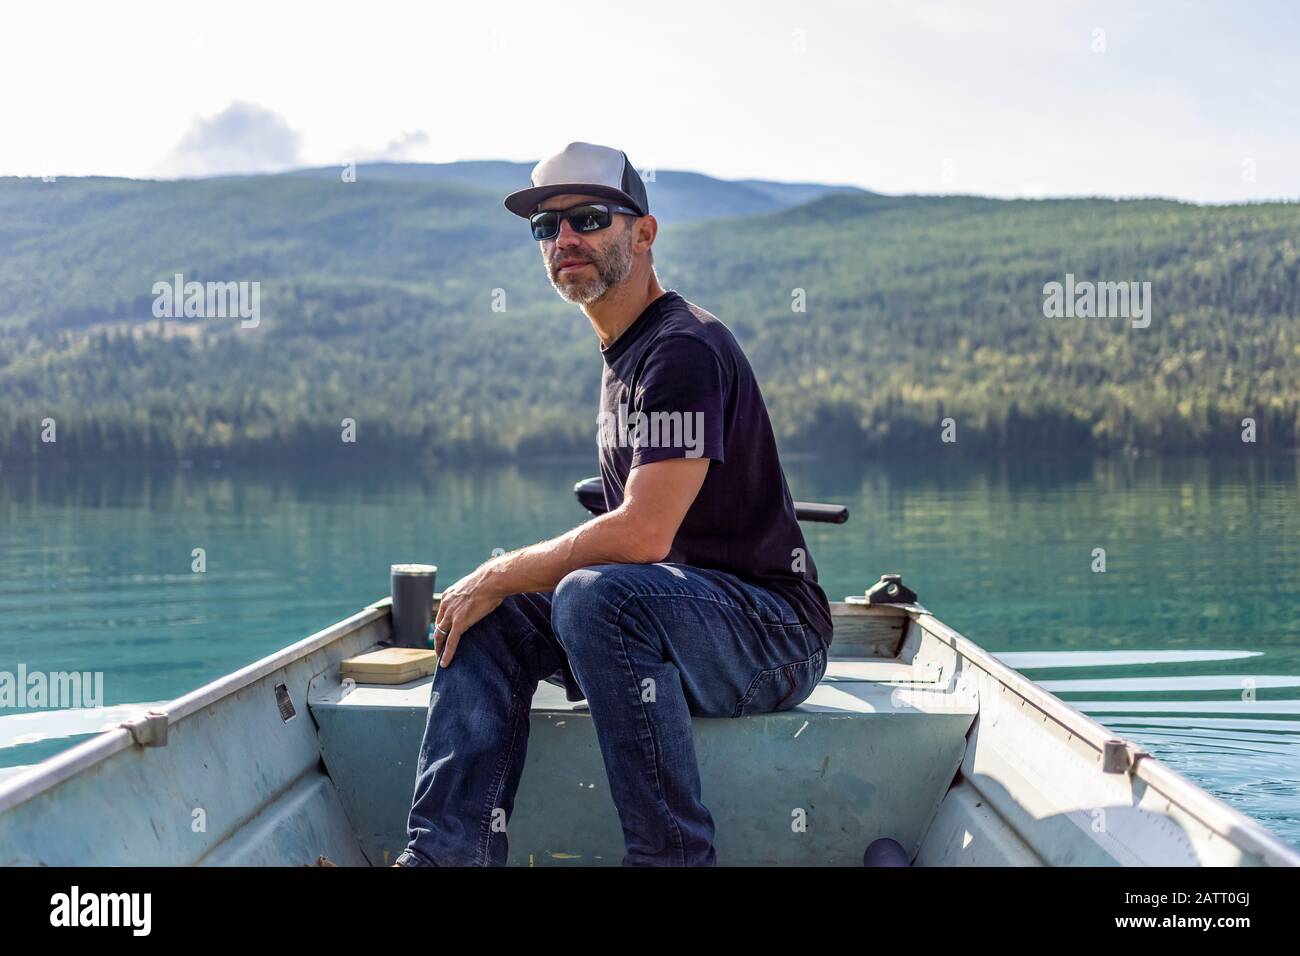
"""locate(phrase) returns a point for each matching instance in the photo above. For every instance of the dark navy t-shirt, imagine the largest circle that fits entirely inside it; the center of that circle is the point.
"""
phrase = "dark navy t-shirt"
(677, 385)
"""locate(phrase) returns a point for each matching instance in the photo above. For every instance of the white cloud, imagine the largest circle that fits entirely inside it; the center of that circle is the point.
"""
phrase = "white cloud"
(406, 147)
(242, 138)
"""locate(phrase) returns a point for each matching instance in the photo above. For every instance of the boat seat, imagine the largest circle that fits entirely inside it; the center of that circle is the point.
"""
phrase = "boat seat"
(813, 785)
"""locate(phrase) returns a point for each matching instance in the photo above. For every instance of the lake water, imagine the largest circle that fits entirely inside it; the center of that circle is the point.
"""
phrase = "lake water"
(1188, 643)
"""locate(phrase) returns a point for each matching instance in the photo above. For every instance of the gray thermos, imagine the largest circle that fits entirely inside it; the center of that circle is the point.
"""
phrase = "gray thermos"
(412, 604)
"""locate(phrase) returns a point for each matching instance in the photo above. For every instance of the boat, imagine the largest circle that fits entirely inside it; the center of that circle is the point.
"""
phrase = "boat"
(916, 738)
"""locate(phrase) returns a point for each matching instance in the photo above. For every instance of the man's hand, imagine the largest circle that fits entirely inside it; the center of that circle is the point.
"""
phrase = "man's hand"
(463, 605)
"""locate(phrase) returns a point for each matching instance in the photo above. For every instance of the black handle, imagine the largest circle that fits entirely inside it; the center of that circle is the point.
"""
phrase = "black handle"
(813, 511)
(591, 495)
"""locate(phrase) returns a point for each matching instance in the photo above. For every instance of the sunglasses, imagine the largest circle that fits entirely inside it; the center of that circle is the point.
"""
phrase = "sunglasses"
(584, 217)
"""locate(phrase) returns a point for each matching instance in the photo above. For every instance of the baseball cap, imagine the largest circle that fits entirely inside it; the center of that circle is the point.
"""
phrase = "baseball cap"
(585, 169)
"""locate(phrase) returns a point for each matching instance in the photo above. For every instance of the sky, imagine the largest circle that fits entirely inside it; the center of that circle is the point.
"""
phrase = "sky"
(1191, 100)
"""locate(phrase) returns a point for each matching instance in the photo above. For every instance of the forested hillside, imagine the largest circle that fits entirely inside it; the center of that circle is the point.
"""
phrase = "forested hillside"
(377, 304)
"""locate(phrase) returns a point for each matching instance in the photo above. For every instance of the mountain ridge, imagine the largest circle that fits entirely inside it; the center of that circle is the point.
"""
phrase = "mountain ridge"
(379, 301)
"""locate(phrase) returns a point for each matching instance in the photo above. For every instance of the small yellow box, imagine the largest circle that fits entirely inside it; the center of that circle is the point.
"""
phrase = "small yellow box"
(391, 665)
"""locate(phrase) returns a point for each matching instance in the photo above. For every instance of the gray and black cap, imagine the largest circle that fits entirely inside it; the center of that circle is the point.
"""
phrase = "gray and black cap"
(583, 169)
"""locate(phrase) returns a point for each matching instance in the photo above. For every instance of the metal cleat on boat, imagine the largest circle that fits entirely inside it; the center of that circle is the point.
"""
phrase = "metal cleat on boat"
(891, 590)
(149, 730)
(1120, 756)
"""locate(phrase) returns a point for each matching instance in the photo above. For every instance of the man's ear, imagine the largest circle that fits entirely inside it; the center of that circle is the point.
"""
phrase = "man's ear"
(647, 228)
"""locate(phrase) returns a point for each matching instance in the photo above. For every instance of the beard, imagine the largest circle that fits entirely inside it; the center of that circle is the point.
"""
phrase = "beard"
(611, 267)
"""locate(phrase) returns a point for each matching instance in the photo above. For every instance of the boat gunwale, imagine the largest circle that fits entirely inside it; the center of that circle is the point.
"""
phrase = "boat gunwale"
(1213, 813)
(68, 763)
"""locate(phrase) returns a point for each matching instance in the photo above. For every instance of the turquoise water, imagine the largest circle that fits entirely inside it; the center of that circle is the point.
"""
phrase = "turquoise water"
(1189, 642)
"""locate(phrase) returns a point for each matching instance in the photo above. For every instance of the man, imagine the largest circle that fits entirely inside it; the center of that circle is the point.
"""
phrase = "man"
(694, 594)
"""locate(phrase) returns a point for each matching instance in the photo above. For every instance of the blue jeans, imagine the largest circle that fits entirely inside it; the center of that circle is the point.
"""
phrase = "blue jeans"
(648, 646)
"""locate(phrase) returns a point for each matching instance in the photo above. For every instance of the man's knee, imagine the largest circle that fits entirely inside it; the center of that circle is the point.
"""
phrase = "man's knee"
(589, 593)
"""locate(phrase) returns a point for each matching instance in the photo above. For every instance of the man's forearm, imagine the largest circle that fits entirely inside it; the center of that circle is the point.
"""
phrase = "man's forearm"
(612, 538)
